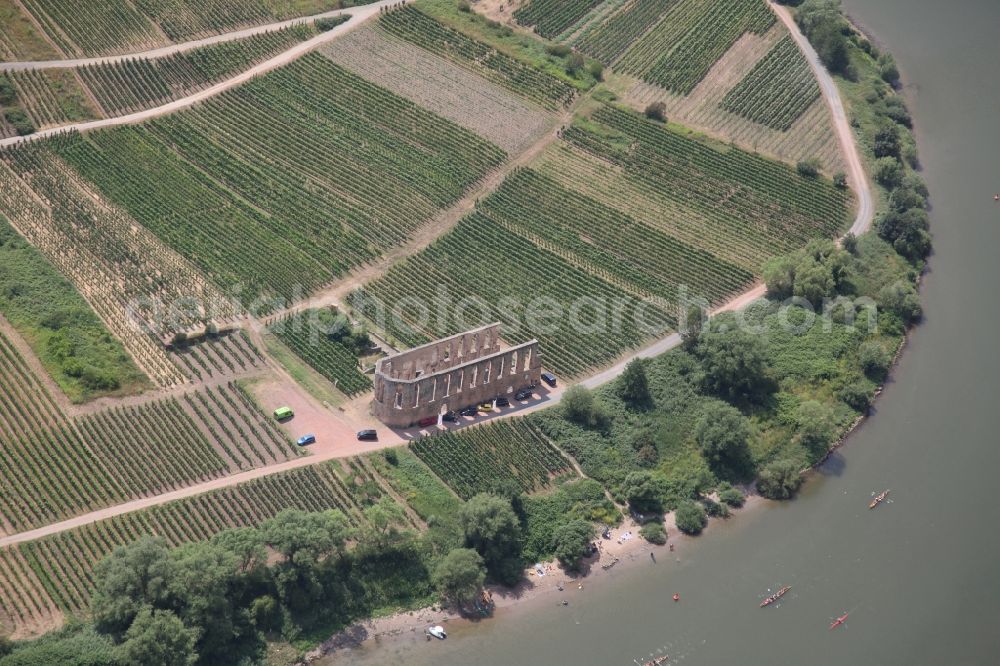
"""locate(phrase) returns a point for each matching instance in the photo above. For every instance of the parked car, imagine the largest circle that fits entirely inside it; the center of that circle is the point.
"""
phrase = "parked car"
(367, 436)
(469, 411)
(306, 440)
(502, 401)
(486, 406)
(549, 379)
(523, 394)
(428, 421)
(450, 417)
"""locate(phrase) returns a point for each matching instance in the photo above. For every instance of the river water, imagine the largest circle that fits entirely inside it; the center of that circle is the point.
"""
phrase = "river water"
(919, 576)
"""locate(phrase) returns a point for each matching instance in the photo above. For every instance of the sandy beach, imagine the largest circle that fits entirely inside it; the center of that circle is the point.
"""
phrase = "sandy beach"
(625, 549)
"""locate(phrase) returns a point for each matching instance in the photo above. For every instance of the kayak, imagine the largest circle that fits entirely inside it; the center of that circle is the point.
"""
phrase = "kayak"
(774, 597)
(839, 621)
(878, 499)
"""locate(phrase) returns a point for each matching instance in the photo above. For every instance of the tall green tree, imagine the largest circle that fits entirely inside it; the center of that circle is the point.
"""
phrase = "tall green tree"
(734, 362)
(133, 577)
(158, 638)
(723, 435)
(570, 542)
(493, 530)
(460, 575)
(634, 385)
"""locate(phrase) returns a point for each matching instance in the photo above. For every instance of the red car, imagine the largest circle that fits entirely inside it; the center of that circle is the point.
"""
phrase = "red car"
(428, 421)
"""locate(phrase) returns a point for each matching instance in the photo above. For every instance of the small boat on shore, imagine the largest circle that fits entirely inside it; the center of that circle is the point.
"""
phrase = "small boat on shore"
(774, 597)
(839, 621)
(878, 499)
(437, 631)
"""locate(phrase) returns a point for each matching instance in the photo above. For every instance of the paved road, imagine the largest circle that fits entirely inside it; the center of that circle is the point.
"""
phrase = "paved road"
(185, 46)
(548, 398)
(359, 15)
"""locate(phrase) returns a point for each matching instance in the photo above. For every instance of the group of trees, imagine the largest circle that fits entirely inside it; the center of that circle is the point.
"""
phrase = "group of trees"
(816, 272)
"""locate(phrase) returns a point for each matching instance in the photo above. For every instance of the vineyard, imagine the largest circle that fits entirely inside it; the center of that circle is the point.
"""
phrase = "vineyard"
(19, 39)
(126, 274)
(61, 565)
(52, 97)
(330, 357)
(504, 70)
(133, 85)
(442, 86)
(119, 26)
(549, 18)
(777, 91)
(56, 467)
(607, 40)
(678, 52)
(475, 460)
(227, 355)
(280, 185)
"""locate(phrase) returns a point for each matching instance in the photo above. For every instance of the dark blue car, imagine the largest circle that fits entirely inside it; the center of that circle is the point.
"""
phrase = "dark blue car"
(305, 440)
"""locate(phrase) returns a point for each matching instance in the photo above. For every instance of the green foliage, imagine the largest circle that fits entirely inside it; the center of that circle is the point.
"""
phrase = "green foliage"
(808, 168)
(75, 645)
(69, 339)
(634, 385)
(779, 480)
(823, 25)
(570, 542)
(723, 434)
(874, 360)
(887, 69)
(901, 299)
(131, 578)
(158, 638)
(7, 91)
(552, 17)
(730, 496)
(815, 272)
(657, 111)
(814, 426)
(460, 575)
(493, 530)
(690, 517)
(857, 393)
(734, 362)
(329, 23)
(888, 172)
(654, 533)
(544, 514)
(329, 344)
(645, 491)
(19, 120)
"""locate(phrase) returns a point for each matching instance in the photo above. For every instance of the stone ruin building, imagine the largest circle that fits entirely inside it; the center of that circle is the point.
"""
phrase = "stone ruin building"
(451, 374)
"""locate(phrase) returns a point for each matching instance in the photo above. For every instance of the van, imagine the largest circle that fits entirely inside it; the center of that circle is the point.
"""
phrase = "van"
(367, 436)
(549, 379)
(282, 413)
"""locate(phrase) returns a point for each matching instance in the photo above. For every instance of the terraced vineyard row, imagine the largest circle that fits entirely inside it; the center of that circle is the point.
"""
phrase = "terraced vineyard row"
(227, 355)
(607, 40)
(56, 467)
(133, 85)
(551, 17)
(678, 52)
(474, 460)
(52, 96)
(288, 181)
(120, 26)
(414, 26)
(605, 241)
(505, 276)
(126, 274)
(63, 563)
(777, 91)
(760, 195)
(327, 356)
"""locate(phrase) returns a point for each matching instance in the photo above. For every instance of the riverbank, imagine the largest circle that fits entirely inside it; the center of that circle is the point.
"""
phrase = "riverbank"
(616, 555)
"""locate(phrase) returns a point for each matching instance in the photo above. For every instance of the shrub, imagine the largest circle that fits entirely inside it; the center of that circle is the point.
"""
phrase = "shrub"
(779, 480)
(596, 70)
(654, 533)
(330, 22)
(690, 517)
(887, 69)
(575, 63)
(856, 394)
(19, 120)
(874, 360)
(714, 509)
(570, 542)
(464, 6)
(7, 92)
(808, 168)
(730, 496)
(657, 111)
(814, 422)
(840, 180)
(888, 172)
(722, 434)
(850, 243)
(392, 457)
(558, 50)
